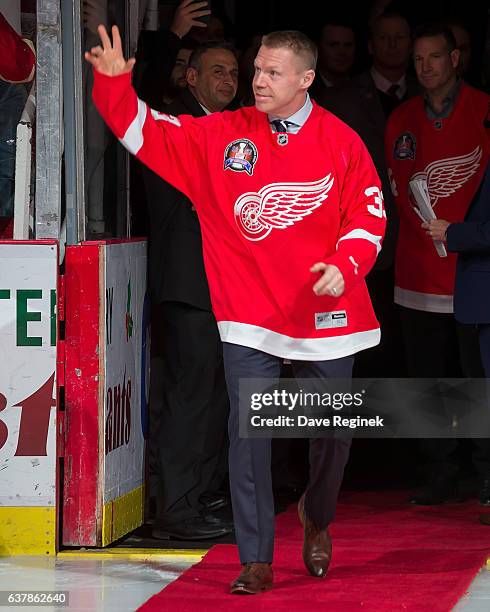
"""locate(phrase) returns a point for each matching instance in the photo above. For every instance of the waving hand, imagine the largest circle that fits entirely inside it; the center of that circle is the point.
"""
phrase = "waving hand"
(109, 58)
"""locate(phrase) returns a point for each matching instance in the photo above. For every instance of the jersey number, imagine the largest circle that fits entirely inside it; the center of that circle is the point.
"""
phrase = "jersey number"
(375, 209)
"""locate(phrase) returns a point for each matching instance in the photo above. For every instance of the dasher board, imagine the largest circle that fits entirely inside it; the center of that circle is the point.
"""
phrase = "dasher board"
(28, 417)
(106, 391)
(28, 278)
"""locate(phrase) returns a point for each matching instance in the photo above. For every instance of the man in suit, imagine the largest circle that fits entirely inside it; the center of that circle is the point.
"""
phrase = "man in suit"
(438, 138)
(470, 239)
(336, 55)
(364, 102)
(165, 52)
(190, 380)
(300, 295)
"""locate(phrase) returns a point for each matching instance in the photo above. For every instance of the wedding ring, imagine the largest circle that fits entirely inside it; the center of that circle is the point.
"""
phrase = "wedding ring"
(334, 290)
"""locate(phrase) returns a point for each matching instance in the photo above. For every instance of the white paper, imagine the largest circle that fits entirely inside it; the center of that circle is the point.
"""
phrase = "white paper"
(420, 194)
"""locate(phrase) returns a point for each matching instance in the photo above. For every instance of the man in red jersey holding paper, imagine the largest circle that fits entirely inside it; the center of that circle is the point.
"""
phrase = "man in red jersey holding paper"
(292, 220)
(437, 149)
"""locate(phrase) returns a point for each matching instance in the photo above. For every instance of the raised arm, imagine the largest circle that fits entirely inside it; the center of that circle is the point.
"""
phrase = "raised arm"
(157, 52)
(170, 146)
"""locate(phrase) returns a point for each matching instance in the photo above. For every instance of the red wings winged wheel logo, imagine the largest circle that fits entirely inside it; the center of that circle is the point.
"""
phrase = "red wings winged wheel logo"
(278, 206)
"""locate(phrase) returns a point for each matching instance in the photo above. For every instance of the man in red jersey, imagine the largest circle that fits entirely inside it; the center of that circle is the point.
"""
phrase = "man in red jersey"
(438, 137)
(292, 220)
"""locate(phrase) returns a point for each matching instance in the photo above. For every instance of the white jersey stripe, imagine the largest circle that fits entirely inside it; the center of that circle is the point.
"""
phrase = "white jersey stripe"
(133, 138)
(364, 235)
(304, 349)
(428, 302)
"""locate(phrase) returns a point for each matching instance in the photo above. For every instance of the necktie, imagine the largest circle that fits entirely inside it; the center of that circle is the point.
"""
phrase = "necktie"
(392, 91)
(281, 125)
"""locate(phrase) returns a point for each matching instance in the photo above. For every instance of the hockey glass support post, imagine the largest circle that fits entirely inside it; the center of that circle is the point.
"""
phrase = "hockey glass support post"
(73, 121)
(49, 145)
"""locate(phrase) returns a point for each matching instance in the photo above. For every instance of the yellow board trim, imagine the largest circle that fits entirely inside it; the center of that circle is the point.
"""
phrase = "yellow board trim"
(122, 515)
(137, 554)
(27, 530)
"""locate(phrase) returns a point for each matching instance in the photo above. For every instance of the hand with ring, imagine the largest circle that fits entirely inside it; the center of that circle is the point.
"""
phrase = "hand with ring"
(331, 282)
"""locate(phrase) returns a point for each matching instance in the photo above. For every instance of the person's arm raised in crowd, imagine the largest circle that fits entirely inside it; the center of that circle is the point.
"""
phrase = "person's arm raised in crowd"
(157, 52)
(188, 15)
(167, 145)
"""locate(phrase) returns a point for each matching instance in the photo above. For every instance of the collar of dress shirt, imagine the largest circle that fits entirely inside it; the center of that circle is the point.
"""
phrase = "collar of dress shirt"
(447, 103)
(383, 84)
(298, 119)
(208, 112)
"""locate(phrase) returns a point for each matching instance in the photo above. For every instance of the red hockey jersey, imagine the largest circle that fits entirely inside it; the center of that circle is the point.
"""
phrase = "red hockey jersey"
(270, 205)
(17, 58)
(451, 154)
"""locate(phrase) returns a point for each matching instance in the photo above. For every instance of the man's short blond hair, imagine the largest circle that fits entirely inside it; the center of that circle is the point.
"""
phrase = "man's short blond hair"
(298, 42)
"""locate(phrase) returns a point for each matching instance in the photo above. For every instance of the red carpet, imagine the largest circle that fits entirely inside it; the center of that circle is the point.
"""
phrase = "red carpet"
(386, 556)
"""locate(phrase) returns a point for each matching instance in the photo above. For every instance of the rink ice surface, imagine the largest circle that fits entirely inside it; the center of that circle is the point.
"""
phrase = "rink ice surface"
(119, 582)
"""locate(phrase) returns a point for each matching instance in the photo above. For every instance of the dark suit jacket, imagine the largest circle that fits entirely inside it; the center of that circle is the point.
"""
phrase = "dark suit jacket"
(176, 267)
(357, 103)
(155, 59)
(471, 240)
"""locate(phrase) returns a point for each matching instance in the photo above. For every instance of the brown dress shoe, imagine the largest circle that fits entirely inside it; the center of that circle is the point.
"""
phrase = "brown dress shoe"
(317, 545)
(317, 549)
(254, 578)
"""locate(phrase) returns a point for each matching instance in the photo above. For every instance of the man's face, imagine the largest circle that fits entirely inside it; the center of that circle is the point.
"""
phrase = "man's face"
(178, 77)
(215, 83)
(434, 64)
(280, 81)
(390, 43)
(337, 49)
